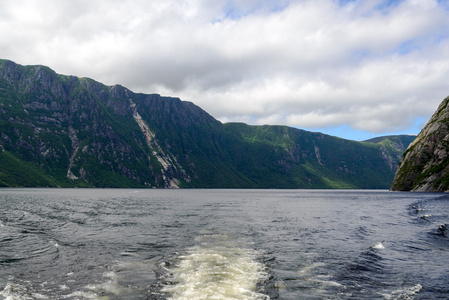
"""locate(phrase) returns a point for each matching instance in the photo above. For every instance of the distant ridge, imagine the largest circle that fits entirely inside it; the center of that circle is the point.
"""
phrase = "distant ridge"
(402, 141)
(65, 131)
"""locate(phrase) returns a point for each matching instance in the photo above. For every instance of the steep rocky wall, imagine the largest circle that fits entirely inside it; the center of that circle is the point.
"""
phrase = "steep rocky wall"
(425, 163)
(58, 130)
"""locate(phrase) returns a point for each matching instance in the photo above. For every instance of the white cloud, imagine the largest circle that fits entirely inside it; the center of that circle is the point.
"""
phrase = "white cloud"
(370, 65)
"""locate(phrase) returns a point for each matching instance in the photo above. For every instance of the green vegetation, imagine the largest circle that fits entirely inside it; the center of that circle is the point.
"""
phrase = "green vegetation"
(17, 173)
(53, 125)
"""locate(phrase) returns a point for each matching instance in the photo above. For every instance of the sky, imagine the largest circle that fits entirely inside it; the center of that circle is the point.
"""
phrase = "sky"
(356, 69)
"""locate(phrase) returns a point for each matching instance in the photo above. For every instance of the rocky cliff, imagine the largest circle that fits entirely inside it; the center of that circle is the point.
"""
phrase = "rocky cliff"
(425, 163)
(58, 130)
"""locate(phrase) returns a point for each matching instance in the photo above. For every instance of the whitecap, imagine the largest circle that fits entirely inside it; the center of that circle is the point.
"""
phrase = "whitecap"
(379, 245)
(110, 286)
(82, 295)
(309, 268)
(426, 217)
(39, 296)
(404, 293)
(63, 287)
(15, 291)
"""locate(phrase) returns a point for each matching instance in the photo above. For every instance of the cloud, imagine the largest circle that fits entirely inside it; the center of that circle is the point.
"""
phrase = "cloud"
(375, 66)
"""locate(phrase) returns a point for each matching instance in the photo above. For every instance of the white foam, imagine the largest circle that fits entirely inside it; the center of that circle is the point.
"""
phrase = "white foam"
(332, 283)
(379, 246)
(39, 296)
(321, 282)
(14, 291)
(63, 287)
(111, 286)
(217, 270)
(82, 295)
(426, 217)
(405, 293)
(309, 268)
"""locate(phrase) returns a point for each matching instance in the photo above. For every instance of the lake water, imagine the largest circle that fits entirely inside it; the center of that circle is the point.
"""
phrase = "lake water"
(223, 244)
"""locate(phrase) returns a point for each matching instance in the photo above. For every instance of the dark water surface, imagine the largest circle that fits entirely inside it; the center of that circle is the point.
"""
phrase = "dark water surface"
(223, 244)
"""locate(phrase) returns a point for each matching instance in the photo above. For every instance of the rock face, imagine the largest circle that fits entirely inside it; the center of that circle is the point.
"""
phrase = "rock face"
(58, 130)
(425, 163)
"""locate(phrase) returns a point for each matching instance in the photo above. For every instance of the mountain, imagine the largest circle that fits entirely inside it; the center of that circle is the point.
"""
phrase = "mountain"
(425, 163)
(393, 147)
(398, 142)
(58, 130)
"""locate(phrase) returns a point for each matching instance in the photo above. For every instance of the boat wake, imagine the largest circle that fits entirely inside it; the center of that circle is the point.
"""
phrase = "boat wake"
(217, 268)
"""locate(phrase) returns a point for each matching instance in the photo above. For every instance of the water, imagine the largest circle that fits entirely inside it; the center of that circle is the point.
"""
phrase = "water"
(223, 244)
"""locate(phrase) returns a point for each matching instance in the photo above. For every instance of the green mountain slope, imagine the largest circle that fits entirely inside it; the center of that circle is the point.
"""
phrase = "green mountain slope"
(58, 130)
(396, 142)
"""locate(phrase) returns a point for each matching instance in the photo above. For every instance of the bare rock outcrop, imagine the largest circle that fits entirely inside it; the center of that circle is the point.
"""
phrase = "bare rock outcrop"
(425, 163)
